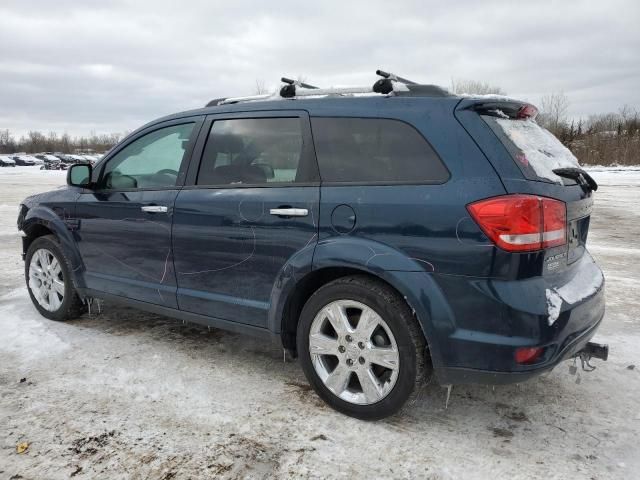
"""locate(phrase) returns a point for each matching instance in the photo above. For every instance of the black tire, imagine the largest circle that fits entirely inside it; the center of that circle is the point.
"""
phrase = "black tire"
(71, 306)
(393, 309)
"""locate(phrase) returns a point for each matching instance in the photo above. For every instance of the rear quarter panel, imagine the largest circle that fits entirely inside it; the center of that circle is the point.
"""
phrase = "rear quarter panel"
(410, 234)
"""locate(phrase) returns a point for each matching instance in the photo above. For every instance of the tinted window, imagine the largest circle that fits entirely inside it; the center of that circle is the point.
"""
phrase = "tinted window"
(374, 150)
(150, 161)
(254, 151)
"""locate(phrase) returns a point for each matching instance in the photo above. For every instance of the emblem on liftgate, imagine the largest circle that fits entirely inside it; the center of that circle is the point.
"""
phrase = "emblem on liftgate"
(553, 261)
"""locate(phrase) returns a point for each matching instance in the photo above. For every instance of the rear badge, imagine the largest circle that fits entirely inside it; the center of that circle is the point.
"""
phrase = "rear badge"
(553, 262)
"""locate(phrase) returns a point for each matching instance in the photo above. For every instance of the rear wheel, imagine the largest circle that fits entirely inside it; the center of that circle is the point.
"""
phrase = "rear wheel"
(361, 347)
(49, 280)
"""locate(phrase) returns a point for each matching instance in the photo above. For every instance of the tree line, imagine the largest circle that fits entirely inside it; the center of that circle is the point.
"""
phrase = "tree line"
(603, 139)
(36, 142)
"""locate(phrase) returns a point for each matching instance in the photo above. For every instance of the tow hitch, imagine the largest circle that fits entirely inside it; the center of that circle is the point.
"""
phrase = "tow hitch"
(590, 350)
(596, 350)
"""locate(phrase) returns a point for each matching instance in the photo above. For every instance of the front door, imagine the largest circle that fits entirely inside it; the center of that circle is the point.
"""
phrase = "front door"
(252, 206)
(124, 228)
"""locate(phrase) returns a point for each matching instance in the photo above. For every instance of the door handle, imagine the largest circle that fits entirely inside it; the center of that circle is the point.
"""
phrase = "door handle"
(154, 209)
(289, 212)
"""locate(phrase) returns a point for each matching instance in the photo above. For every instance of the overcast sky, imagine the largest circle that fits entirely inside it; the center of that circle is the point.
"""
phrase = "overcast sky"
(112, 65)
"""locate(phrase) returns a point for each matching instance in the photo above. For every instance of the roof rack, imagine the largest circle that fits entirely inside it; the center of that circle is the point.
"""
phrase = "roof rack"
(388, 84)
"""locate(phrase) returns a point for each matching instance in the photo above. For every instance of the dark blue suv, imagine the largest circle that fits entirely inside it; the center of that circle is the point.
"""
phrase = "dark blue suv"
(382, 237)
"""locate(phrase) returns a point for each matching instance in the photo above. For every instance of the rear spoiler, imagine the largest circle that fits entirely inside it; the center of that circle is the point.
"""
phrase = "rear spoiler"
(514, 110)
(499, 106)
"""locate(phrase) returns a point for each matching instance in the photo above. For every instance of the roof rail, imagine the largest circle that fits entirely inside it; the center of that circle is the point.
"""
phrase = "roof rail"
(394, 77)
(248, 98)
(390, 83)
(296, 82)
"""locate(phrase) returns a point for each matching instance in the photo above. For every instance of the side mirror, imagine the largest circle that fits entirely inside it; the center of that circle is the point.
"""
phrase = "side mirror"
(79, 175)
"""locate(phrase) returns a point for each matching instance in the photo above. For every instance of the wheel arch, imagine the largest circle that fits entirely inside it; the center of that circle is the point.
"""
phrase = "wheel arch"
(40, 221)
(414, 287)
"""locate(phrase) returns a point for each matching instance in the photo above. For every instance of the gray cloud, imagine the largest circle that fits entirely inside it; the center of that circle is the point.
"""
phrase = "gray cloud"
(112, 65)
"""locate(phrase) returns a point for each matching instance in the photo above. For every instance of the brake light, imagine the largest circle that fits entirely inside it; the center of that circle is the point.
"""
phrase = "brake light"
(527, 111)
(527, 355)
(521, 223)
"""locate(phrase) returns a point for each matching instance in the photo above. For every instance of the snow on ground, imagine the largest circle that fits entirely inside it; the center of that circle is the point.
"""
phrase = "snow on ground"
(133, 395)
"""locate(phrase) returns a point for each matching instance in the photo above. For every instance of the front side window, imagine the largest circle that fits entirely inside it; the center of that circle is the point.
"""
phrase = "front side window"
(374, 150)
(250, 151)
(151, 161)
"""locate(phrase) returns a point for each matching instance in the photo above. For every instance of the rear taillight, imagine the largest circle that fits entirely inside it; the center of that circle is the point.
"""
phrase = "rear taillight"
(522, 223)
(528, 355)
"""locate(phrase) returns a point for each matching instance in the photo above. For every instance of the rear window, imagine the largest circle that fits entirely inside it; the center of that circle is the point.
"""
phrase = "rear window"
(535, 150)
(371, 150)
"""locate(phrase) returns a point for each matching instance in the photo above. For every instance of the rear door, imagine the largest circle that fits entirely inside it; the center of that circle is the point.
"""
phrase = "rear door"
(250, 205)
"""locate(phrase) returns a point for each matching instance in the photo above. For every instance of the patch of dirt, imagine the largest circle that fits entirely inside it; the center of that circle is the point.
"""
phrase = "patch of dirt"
(244, 457)
(91, 445)
(305, 392)
(501, 432)
(511, 413)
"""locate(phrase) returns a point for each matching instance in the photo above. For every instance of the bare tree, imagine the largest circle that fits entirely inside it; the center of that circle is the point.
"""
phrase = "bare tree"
(553, 112)
(475, 87)
(260, 87)
(7, 143)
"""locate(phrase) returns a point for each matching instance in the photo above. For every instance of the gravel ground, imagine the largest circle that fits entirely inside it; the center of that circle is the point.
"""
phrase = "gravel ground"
(124, 394)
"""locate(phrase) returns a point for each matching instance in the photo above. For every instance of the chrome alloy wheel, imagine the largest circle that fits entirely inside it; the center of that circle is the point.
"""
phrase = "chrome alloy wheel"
(354, 352)
(45, 279)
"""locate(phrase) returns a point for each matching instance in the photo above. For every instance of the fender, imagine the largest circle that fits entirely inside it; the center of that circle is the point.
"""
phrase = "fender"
(62, 228)
(299, 265)
(411, 277)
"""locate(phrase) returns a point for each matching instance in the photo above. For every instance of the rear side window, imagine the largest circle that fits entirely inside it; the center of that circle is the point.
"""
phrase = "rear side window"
(374, 150)
(254, 151)
(534, 149)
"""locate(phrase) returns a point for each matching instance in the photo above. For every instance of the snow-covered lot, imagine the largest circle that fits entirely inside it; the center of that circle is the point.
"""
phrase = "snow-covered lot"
(125, 394)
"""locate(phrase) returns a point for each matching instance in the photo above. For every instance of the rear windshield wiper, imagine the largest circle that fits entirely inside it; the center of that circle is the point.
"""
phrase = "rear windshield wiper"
(583, 179)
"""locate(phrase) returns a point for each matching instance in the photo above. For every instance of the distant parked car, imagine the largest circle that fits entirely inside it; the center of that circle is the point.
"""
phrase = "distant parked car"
(46, 156)
(69, 159)
(5, 161)
(64, 158)
(78, 158)
(51, 162)
(26, 160)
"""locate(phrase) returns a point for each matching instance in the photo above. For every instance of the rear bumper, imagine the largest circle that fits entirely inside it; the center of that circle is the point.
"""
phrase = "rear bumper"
(490, 320)
(460, 375)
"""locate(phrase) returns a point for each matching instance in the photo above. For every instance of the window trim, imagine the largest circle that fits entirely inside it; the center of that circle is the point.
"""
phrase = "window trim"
(308, 149)
(98, 171)
(380, 183)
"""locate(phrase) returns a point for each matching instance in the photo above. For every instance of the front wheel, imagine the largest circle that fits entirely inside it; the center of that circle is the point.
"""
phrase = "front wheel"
(49, 282)
(361, 347)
